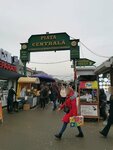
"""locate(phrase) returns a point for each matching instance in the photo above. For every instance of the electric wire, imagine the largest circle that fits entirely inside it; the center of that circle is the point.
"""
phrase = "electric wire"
(51, 62)
(81, 51)
(93, 52)
(64, 61)
(90, 49)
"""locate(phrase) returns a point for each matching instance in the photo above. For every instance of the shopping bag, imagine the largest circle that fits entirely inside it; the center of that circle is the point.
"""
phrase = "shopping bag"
(76, 121)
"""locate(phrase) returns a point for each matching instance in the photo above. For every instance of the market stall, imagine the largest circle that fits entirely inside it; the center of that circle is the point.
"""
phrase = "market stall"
(89, 99)
(27, 90)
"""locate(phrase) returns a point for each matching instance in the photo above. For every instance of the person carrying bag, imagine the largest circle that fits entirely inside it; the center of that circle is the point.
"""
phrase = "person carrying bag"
(70, 102)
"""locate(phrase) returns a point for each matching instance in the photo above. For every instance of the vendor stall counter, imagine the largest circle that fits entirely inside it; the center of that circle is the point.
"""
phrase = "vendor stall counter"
(89, 99)
(27, 90)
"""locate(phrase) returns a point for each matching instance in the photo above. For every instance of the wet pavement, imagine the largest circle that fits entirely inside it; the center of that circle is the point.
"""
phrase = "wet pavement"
(35, 129)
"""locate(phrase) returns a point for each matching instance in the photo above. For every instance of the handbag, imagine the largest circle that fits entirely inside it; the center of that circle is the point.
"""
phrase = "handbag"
(66, 109)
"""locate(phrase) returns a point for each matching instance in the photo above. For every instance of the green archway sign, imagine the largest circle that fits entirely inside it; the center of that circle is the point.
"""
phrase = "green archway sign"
(49, 42)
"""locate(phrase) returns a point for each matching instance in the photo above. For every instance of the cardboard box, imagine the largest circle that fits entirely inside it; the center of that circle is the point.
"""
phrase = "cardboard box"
(26, 107)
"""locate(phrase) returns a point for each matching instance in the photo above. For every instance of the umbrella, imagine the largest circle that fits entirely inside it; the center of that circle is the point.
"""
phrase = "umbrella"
(44, 77)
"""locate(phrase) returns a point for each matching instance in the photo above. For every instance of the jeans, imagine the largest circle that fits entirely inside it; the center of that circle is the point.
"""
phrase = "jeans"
(108, 126)
(9, 106)
(65, 126)
(54, 105)
(42, 102)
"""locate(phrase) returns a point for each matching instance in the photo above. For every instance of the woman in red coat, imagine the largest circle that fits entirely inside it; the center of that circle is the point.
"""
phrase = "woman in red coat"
(70, 102)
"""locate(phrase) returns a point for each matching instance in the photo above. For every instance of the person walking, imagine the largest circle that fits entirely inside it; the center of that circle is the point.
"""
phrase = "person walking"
(54, 95)
(43, 96)
(102, 104)
(10, 100)
(62, 94)
(106, 129)
(70, 103)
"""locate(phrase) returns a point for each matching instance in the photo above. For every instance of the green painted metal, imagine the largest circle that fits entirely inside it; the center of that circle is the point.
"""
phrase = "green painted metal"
(24, 55)
(49, 42)
(74, 50)
(85, 62)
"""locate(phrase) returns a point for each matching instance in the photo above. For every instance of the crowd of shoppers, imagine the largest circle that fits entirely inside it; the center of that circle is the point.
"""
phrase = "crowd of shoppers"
(66, 97)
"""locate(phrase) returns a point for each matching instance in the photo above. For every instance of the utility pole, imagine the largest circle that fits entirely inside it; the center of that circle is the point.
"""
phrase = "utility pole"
(74, 56)
(75, 74)
(25, 69)
(24, 56)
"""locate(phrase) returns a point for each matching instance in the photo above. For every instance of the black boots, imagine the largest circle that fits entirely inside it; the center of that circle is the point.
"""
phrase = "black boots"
(80, 135)
(80, 132)
(103, 134)
(58, 136)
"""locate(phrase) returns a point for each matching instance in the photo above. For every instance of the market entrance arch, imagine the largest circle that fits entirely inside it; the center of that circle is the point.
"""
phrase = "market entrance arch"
(59, 42)
(49, 42)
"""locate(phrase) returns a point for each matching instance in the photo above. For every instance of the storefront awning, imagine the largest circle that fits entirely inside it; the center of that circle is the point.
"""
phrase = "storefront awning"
(7, 75)
(104, 67)
(28, 80)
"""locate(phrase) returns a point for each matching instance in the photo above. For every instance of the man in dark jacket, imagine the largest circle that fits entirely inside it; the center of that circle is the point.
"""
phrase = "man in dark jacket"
(102, 104)
(10, 100)
(54, 95)
(43, 96)
(106, 129)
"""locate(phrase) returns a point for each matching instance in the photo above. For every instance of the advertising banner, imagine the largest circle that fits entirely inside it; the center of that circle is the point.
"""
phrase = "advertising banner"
(5, 56)
(88, 85)
(89, 110)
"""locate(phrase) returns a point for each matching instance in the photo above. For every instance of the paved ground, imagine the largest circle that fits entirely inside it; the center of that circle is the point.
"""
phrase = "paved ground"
(35, 129)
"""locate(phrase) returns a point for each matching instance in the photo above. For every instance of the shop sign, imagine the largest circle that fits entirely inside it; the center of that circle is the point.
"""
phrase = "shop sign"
(49, 42)
(74, 49)
(5, 56)
(88, 85)
(89, 110)
(24, 55)
(85, 62)
(75, 53)
(7, 66)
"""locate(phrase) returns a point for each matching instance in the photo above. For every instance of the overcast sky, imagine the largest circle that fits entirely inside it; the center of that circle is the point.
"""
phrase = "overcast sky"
(89, 20)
